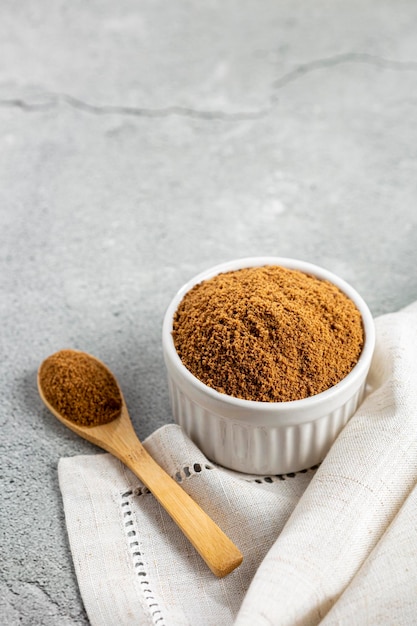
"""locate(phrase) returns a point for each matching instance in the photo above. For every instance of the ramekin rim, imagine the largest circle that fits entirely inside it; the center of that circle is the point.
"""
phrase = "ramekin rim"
(356, 373)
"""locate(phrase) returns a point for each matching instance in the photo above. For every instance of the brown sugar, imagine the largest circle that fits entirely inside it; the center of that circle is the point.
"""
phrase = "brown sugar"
(268, 333)
(80, 388)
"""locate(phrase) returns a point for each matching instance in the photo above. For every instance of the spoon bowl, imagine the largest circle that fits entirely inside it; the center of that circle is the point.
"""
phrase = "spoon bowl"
(119, 438)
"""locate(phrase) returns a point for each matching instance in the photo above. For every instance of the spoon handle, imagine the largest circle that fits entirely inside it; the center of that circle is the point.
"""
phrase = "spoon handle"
(216, 549)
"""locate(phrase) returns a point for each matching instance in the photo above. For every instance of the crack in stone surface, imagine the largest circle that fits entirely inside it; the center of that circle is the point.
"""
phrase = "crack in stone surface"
(24, 585)
(54, 100)
(363, 58)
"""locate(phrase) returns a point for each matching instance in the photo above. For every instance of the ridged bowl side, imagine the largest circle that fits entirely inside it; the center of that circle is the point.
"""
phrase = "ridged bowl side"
(263, 450)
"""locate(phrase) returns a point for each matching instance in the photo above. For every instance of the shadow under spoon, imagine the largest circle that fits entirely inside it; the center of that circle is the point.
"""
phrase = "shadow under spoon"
(119, 438)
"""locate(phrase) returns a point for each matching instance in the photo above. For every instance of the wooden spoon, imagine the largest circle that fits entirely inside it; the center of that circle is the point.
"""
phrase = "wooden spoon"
(119, 438)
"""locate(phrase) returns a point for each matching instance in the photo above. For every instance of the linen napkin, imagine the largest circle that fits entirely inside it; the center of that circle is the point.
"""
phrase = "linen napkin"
(330, 545)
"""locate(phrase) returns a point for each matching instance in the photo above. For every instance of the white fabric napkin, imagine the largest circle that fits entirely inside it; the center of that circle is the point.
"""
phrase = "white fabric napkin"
(330, 545)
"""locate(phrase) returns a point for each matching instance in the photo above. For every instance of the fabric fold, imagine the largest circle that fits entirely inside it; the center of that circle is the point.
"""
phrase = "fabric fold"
(385, 588)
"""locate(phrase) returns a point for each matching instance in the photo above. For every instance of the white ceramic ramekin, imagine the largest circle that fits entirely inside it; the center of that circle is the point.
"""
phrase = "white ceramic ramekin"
(265, 438)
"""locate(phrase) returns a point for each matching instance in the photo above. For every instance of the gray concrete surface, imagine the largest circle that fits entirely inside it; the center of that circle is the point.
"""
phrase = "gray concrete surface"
(143, 141)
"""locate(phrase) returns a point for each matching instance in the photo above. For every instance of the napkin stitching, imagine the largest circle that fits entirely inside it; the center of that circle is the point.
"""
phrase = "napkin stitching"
(187, 471)
(136, 551)
(137, 555)
(278, 477)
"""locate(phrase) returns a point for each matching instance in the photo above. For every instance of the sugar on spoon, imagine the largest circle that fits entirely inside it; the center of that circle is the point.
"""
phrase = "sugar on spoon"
(70, 379)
